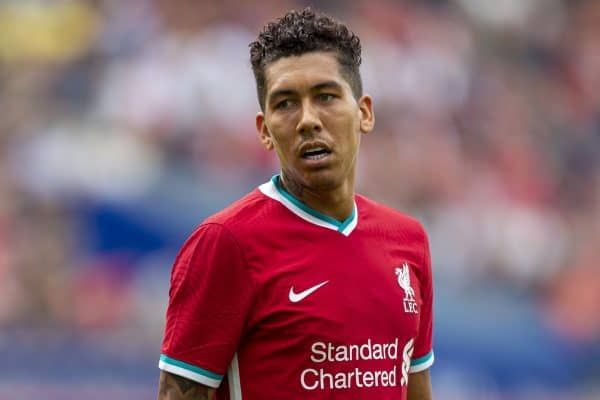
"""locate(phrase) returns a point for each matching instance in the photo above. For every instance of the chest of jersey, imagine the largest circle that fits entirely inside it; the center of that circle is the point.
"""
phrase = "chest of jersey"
(340, 312)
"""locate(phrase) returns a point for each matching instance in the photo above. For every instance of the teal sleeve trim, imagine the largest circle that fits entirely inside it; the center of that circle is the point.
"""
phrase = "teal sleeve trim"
(190, 367)
(421, 360)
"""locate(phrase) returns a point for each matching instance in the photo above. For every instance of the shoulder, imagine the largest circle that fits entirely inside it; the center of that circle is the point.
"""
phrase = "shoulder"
(380, 213)
(248, 210)
(389, 219)
(240, 218)
(220, 237)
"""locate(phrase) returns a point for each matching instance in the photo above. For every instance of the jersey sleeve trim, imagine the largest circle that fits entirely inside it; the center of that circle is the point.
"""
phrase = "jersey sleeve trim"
(421, 363)
(189, 371)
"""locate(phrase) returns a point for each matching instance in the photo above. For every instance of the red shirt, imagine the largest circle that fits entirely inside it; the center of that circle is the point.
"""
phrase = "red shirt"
(283, 302)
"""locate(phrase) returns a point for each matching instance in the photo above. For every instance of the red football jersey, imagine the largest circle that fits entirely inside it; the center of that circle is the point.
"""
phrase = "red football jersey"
(279, 301)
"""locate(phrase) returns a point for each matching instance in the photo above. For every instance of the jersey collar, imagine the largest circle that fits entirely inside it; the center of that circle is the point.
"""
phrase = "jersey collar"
(274, 190)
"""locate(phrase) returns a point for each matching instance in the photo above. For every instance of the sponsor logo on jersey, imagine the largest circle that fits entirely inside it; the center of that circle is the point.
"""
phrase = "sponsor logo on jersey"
(296, 297)
(403, 274)
(332, 368)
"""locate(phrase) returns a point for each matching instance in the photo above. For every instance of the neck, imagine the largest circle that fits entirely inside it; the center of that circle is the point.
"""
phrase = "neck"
(337, 203)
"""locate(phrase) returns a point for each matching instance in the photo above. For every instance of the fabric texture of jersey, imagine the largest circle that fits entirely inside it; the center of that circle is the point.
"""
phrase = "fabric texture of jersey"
(271, 299)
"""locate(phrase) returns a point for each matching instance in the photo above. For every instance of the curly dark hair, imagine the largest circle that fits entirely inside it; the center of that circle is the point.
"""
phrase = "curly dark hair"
(299, 32)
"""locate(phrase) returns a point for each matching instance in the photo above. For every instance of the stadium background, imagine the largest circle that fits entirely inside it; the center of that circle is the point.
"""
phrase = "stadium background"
(125, 123)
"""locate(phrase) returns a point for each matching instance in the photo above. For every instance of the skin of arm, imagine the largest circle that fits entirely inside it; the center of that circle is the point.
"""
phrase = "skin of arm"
(174, 387)
(419, 386)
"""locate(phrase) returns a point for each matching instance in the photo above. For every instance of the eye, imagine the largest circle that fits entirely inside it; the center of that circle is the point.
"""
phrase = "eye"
(325, 97)
(283, 104)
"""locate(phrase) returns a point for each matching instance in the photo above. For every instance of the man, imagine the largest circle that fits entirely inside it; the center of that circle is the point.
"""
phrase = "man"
(303, 289)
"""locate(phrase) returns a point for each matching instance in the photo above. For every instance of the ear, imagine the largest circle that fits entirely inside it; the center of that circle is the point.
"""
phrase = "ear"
(263, 131)
(367, 115)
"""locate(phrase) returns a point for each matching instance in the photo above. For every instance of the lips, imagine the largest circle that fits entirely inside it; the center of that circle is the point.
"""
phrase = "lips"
(314, 151)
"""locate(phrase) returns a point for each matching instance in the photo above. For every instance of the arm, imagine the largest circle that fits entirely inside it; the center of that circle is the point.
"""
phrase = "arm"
(209, 299)
(174, 387)
(419, 386)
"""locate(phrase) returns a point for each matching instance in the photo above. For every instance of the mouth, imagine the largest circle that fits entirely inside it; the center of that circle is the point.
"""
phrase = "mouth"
(315, 152)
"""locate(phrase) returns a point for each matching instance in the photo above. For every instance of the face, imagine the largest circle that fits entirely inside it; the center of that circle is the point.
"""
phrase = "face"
(312, 121)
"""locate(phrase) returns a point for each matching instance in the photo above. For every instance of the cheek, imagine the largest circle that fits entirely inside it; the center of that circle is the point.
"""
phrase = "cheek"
(343, 115)
(345, 123)
(276, 127)
(282, 143)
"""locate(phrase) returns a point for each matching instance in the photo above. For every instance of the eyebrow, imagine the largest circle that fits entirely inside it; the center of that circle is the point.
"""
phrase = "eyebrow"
(319, 86)
(327, 85)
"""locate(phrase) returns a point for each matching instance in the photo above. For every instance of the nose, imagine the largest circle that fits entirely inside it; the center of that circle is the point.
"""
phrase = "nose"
(309, 119)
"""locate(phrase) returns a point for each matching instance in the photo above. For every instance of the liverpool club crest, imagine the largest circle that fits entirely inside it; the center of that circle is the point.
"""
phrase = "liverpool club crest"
(403, 274)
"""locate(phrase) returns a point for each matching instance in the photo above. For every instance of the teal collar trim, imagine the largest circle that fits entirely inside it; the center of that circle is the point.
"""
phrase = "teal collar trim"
(276, 191)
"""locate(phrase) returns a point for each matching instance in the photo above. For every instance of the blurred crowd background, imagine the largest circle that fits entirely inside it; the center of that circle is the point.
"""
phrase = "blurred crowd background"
(125, 123)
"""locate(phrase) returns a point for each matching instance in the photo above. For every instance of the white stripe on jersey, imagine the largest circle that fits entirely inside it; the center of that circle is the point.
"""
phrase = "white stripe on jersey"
(233, 377)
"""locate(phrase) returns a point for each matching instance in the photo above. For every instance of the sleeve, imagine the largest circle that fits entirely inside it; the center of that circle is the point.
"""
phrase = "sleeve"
(209, 299)
(422, 357)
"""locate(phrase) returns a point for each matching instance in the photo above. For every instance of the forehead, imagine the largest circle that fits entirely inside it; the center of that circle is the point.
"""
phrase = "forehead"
(295, 72)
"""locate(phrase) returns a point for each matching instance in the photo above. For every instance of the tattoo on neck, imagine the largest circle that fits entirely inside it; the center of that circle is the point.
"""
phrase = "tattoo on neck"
(292, 187)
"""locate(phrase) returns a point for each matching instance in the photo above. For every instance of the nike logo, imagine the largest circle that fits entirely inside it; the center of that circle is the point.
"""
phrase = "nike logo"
(296, 297)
